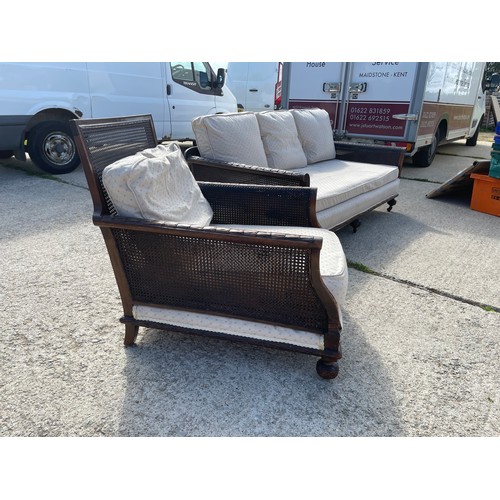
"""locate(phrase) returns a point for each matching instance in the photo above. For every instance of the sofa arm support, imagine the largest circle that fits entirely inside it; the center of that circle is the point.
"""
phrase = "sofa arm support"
(261, 205)
(370, 153)
(204, 169)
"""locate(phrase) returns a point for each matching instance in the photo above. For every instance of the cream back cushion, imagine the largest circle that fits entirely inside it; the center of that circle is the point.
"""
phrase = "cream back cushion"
(156, 184)
(281, 140)
(231, 137)
(315, 133)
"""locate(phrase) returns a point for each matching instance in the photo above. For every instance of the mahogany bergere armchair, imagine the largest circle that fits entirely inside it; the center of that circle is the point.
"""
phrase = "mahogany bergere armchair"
(244, 262)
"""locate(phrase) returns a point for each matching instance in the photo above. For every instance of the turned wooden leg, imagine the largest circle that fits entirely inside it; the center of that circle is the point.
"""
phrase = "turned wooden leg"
(391, 203)
(355, 224)
(131, 332)
(327, 368)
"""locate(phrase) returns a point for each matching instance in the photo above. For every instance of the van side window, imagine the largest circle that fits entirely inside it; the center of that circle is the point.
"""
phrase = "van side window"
(197, 76)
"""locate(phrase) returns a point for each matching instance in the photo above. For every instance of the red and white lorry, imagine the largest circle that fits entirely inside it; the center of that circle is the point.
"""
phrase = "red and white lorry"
(415, 105)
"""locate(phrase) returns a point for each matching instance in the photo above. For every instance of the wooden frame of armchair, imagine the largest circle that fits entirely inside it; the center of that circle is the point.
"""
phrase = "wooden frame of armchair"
(188, 270)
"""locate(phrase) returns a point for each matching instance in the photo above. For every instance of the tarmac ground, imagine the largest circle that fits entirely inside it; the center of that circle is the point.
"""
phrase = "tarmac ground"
(421, 338)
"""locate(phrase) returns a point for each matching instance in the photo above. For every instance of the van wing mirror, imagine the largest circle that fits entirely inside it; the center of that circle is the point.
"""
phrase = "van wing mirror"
(221, 78)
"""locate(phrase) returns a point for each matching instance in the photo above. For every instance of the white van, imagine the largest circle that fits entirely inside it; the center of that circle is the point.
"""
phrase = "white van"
(253, 84)
(37, 100)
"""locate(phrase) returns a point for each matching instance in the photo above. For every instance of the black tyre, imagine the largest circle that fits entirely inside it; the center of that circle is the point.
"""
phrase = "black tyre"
(425, 156)
(5, 154)
(52, 148)
(472, 141)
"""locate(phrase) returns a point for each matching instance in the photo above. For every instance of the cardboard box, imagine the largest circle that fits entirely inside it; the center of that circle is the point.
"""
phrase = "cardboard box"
(486, 194)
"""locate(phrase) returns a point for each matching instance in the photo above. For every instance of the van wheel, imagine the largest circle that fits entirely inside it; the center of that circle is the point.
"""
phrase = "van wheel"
(52, 148)
(5, 154)
(425, 156)
(472, 141)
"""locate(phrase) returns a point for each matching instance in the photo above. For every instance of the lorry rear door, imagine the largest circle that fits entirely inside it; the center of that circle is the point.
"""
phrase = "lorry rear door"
(372, 100)
(129, 88)
(314, 84)
(378, 100)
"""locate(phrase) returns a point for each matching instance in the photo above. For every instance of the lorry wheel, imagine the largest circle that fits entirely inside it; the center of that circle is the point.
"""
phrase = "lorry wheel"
(425, 156)
(52, 148)
(5, 154)
(472, 141)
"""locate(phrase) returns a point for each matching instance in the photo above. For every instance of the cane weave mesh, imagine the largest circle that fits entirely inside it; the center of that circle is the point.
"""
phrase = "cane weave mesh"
(212, 275)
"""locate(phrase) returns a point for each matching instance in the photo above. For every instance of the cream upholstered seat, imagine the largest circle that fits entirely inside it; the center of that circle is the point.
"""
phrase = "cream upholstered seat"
(296, 147)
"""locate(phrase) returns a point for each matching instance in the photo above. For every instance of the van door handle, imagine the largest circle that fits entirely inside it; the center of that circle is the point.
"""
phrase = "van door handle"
(357, 87)
(408, 117)
(169, 89)
(253, 90)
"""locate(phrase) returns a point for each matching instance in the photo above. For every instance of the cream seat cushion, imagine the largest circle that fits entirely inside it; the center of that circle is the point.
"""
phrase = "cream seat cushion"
(281, 141)
(340, 214)
(156, 184)
(315, 134)
(333, 269)
(230, 137)
(338, 181)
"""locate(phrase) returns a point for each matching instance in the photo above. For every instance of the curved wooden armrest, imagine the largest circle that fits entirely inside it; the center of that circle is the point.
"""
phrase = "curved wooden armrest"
(245, 235)
(370, 153)
(205, 169)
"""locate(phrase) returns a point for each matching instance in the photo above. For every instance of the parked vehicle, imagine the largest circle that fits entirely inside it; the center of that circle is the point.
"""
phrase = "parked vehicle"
(409, 104)
(493, 83)
(253, 84)
(37, 100)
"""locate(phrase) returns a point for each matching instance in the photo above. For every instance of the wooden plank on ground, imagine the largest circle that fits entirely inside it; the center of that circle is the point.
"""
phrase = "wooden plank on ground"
(461, 183)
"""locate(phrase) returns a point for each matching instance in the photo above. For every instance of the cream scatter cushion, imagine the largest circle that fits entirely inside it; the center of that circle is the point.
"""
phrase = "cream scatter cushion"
(160, 151)
(281, 140)
(156, 184)
(230, 137)
(315, 134)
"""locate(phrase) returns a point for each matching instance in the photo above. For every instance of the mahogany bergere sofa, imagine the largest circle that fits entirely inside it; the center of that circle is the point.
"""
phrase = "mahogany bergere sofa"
(247, 263)
(296, 148)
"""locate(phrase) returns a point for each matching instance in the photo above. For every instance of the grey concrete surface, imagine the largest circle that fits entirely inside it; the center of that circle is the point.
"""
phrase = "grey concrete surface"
(451, 158)
(421, 357)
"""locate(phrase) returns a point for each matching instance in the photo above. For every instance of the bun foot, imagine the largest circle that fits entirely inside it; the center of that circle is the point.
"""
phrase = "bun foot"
(355, 224)
(327, 369)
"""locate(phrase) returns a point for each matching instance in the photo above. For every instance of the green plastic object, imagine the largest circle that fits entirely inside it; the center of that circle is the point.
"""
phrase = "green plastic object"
(495, 154)
(495, 164)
